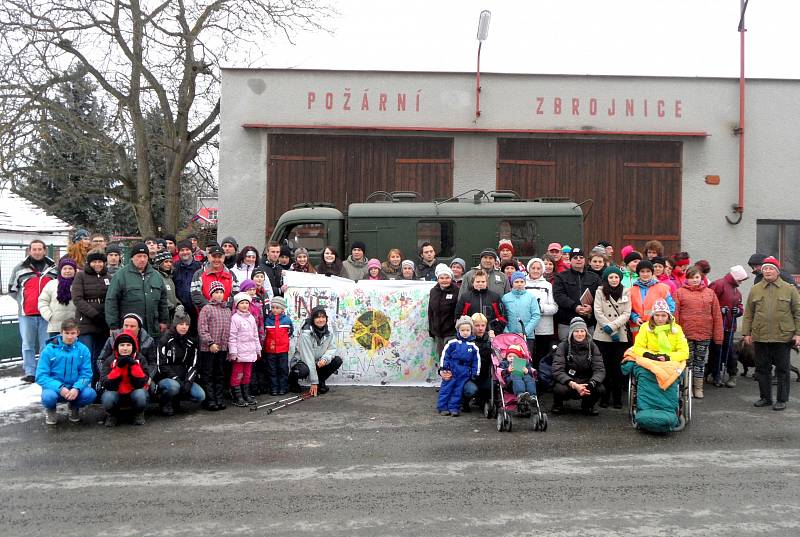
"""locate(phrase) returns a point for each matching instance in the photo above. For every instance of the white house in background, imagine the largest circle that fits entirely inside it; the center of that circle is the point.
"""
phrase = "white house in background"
(20, 222)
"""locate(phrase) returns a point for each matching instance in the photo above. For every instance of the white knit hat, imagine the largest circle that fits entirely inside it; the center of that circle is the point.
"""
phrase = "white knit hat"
(441, 268)
(738, 273)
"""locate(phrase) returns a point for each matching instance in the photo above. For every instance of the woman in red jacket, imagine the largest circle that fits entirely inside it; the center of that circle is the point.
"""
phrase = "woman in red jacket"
(697, 312)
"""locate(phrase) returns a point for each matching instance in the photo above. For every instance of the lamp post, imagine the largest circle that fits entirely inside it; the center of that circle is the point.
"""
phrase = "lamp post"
(483, 33)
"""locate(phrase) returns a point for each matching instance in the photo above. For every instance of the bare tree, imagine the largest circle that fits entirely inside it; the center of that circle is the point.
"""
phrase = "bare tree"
(146, 57)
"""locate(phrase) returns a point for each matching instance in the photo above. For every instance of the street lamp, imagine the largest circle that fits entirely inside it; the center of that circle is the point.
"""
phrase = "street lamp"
(483, 33)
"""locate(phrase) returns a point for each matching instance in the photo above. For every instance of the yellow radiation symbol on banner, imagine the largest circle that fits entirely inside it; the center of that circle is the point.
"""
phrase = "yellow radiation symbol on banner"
(372, 330)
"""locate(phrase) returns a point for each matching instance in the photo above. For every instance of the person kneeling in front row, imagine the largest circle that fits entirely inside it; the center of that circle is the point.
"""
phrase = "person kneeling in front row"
(315, 357)
(176, 365)
(65, 373)
(578, 370)
(126, 382)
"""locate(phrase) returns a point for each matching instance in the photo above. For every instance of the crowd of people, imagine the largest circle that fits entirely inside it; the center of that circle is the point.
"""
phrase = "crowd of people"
(176, 322)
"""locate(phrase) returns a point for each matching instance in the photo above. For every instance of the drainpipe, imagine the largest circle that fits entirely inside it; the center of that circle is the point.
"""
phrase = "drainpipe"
(739, 208)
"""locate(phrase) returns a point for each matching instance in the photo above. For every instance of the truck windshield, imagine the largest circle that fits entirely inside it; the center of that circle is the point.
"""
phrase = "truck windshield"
(310, 236)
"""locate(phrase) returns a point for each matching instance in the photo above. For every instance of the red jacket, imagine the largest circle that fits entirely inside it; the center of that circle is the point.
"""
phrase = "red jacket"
(279, 331)
(729, 296)
(26, 284)
(697, 312)
(125, 379)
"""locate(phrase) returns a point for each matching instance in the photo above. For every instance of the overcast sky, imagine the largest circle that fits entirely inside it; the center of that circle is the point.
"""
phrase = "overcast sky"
(616, 37)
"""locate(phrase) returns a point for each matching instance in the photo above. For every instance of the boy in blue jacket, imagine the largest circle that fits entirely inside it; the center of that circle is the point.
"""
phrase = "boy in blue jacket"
(65, 374)
(460, 362)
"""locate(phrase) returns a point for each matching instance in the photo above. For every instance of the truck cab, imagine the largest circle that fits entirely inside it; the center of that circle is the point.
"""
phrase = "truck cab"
(457, 227)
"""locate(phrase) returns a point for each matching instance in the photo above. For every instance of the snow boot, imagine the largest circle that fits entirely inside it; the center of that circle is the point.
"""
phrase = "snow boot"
(111, 420)
(238, 400)
(74, 414)
(697, 388)
(731, 382)
(138, 419)
(249, 399)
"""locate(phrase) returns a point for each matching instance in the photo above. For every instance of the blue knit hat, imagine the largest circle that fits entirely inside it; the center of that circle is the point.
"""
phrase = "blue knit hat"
(518, 275)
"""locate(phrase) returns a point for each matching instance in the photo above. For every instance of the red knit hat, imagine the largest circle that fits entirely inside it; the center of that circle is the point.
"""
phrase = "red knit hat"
(516, 350)
(505, 244)
(771, 261)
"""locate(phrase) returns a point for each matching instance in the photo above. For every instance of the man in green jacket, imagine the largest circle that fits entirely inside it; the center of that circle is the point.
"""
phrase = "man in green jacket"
(772, 322)
(138, 288)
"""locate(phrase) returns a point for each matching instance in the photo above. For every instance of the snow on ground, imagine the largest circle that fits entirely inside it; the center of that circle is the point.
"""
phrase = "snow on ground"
(8, 306)
(18, 403)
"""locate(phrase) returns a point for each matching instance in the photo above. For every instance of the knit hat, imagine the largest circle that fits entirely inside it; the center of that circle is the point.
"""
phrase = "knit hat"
(597, 250)
(96, 255)
(611, 269)
(576, 252)
(79, 235)
(246, 285)
(554, 246)
(632, 256)
(772, 261)
(169, 237)
(278, 301)
(534, 260)
(658, 260)
(185, 243)
(518, 275)
(515, 349)
(604, 244)
(756, 259)
(231, 241)
(139, 248)
(661, 305)
(626, 250)
(464, 319)
(300, 251)
(488, 252)
(360, 245)
(479, 318)
(505, 244)
(738, 273)
(161, 242)
(66, 261)
(242, 297)
(136, 317)
(704, 266)
(508, 263)
(644, 264)
(577, 323)
(180, 316)
(258, 270)
(113, 249)
(459, 261)
(373, 263)
(441, 268)
(407, 263)
(160, 257)
(215, 286)
(566, 249)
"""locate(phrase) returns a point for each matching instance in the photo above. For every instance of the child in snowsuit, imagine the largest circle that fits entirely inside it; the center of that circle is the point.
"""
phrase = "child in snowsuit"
(126, 379)
(522, 383)
(461, 358)
(276, 346)
(244, 348)
(213, 329)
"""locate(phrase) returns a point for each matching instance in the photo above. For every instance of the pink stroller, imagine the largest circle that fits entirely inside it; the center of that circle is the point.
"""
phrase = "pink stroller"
(502, 401)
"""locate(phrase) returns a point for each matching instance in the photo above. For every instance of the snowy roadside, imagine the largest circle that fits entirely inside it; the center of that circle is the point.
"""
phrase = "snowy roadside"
(19, 402)
(8, 306)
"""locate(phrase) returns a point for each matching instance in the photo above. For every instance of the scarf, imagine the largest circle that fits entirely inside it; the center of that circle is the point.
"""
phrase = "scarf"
(330, 269)
(64, 292)
(662, 333)
(301, 268)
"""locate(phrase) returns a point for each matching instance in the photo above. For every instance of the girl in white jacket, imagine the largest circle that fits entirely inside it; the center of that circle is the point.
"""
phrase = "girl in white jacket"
(542, 290)
(55, 300)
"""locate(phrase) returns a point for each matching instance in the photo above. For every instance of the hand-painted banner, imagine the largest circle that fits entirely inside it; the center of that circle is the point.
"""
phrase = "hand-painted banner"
(381, 327)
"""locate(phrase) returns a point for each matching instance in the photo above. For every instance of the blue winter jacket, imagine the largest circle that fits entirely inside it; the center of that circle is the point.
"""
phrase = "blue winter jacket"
(64, 366)
(461, 357)
(182, 275)
(521, 306)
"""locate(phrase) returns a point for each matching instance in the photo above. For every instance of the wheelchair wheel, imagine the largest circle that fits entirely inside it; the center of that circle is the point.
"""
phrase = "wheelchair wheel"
(687, 406)
(632, 399)
(501, 423)
(508, 422)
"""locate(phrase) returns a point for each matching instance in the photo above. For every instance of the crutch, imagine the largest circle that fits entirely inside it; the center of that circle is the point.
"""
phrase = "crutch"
(722, 361)
(277, 405)
(20, 385)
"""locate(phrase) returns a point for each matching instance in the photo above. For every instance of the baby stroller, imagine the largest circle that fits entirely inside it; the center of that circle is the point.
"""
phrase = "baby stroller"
(502, 402)
(682, 385)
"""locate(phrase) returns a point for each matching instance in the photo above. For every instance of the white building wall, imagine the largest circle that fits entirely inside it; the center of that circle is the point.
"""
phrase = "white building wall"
(283, 98)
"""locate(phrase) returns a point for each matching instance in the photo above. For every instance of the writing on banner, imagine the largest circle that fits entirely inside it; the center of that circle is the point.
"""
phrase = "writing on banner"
(380, 327)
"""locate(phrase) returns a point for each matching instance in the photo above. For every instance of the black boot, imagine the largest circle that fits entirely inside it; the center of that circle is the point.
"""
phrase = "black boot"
(219, 399)
(246, 395)
(166, 407)
(238, 400)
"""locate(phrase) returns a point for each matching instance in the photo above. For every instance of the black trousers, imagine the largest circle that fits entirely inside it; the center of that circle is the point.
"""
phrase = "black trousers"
(612, 352)
(212, 374)
(300, 371)
(767, 356)
(562, 392)
(543, 345)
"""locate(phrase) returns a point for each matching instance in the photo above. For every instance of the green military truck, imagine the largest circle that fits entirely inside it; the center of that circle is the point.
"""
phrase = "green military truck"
(457, 227)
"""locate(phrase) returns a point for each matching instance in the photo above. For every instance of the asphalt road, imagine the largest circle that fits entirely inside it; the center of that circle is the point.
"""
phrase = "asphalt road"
(379, 461)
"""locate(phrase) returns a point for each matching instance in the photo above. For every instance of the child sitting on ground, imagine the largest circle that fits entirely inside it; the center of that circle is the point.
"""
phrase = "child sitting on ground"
(126, 379)
(461, 358)
(522, 382)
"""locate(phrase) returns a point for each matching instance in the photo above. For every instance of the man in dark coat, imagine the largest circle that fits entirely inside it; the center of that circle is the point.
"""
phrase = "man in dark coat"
(274, 272)
(138, 288)
(568, 288)
(442, 308)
